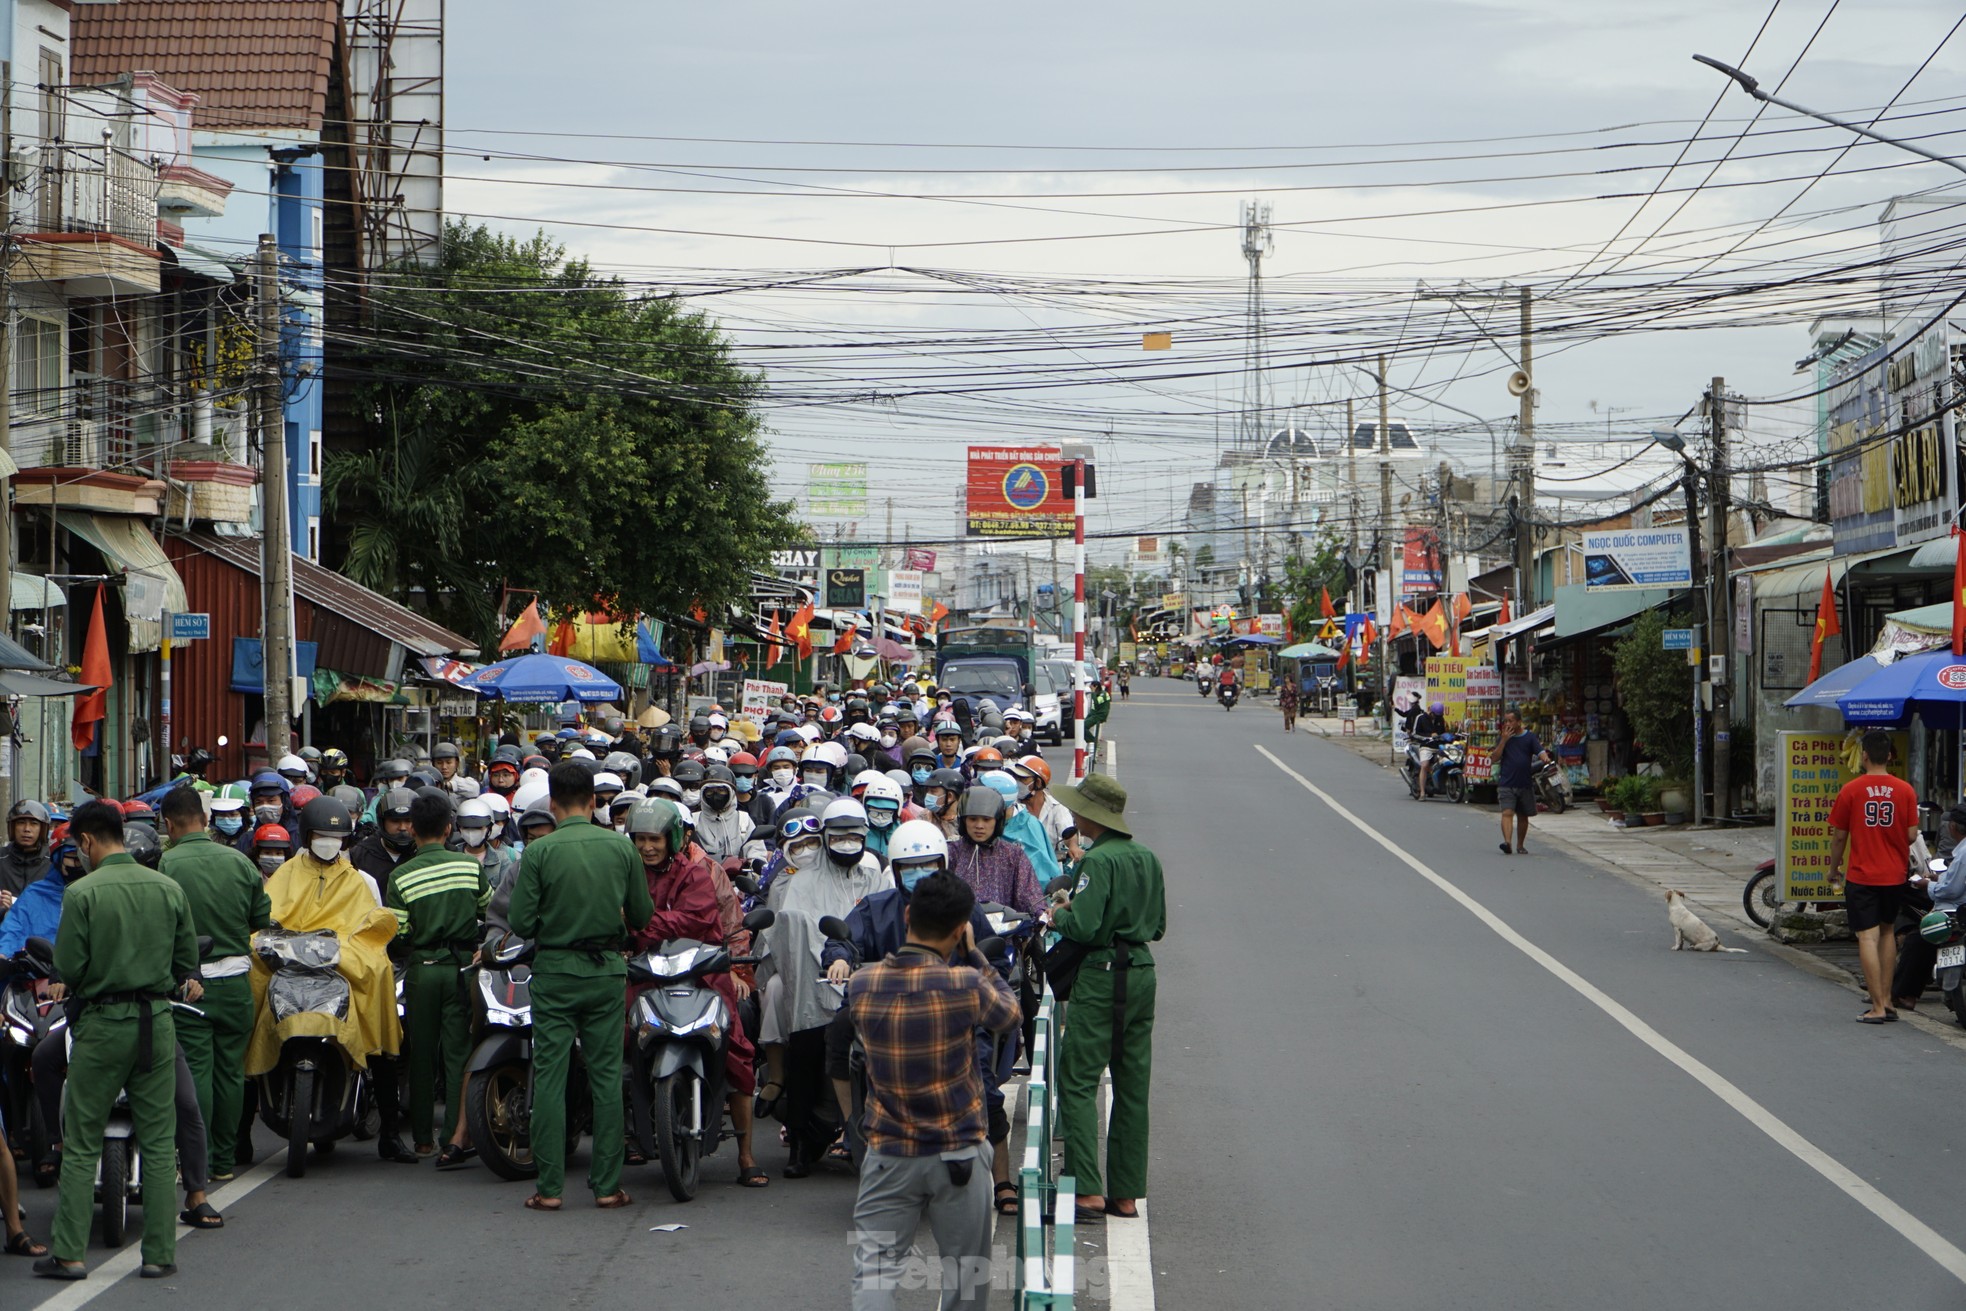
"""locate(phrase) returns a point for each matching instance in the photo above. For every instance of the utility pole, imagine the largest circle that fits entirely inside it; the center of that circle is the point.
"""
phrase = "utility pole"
(1351, 488)
(1690, 481)
(1525, 539)
(1389, 548)
(6, 395)
(276, 564)
(1718, 604)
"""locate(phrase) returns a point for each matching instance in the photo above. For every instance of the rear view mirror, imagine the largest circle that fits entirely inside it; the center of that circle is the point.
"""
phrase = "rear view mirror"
(764, 917)
(835, 928)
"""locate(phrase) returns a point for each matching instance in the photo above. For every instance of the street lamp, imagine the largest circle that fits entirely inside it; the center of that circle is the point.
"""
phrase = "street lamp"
(1492, 445)
(1753, 88)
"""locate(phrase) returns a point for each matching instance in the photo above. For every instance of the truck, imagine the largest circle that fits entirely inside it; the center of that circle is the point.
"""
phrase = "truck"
(984, 663)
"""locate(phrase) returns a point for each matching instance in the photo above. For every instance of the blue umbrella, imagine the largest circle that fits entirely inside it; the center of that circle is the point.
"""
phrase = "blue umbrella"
(1931, 684)
(1825, 690)
(537, 677)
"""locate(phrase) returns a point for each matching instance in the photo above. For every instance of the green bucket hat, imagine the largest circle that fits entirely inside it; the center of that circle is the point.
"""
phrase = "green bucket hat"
(1098, 799)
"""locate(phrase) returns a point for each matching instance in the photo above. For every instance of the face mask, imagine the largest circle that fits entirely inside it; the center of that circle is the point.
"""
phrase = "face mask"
(933, 800)
(782, 778)
(270, 862)
(920, 776)
(802, 857)
(715, 798)
(229, 824)
(1023, 791)
(889, 739)
(325, 849)
(692, 797)
(942, 703)
(913, 874)
(474, 837)
(395, 841)
(846, 848)
(744, 785)
(816, 778)
(879, 817)
(266, 814)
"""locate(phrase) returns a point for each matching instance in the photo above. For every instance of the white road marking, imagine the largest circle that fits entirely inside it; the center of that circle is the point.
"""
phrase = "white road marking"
(127, 1262)
(1910, 1227)
(1129, 1252)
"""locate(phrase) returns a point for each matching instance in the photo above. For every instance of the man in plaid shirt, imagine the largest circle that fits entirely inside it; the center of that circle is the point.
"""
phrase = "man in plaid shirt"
(917, 1015)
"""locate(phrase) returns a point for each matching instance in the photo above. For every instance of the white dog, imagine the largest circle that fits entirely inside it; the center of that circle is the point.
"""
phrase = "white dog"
(1689, 931)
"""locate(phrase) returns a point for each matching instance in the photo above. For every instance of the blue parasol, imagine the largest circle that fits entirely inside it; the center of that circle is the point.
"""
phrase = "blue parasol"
(537, 677)
(1931, 685)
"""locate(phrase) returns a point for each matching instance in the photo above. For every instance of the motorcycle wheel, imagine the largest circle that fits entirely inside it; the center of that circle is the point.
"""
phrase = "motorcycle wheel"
(115, 1191)
(1457, 788)
(1559, 801)
(1956, 1003)
(680, 1151)
(1762, 898)
(300, 1123)
(495, 1112)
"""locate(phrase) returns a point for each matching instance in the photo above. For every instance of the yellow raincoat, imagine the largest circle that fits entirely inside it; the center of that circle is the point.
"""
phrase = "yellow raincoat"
(308, 896)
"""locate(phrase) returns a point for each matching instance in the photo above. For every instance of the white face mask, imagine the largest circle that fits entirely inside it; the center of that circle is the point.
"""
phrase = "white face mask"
(325, 849)
(1023, 791)
(782, 778)
(889, 739)
(474, 838)
(879, 817)
(817, 778)
(846, 848)
(693, 796)
(803, 855)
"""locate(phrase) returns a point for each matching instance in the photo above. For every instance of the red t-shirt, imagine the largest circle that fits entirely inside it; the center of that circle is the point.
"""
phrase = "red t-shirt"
(1880, 813)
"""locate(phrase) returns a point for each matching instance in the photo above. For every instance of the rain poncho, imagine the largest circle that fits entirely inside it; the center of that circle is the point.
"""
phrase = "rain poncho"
(37, 914)
(997, 871)
(1024, 829)
(794, 942)
(308, 896)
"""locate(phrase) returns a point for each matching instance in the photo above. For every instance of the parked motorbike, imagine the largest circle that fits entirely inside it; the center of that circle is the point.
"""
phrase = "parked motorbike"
(119, 1169)
(680, 1027)
(498, 1088)
(27, 1015)
(315, 1095)
(1446, 777)
(1552, 789)
(1228, 694)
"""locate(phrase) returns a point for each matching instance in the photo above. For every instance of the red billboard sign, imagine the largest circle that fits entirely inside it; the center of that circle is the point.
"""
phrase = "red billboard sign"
(1017, 491)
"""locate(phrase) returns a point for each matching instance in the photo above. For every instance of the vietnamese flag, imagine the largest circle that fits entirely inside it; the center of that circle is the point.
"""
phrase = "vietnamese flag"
(1433, 625)
(1324, 603)
(937, 612)
(844, 644)
(772, 652)
(93, 707)
(1463, 607)
(1503, 617)
(800, 631)
(1828, 626)
(529, 625)
(1959, 594)
(563, 638)
(1397, 623)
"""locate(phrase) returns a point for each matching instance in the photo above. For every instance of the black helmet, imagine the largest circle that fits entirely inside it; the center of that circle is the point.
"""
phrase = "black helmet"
(688, 772)
(718, 772)
(326, 815)
(348, 796)
(394, 767)
(197, 761)
(447, 798)
(982, 802)
(950, 781)
(334, 758)
(667, 743)
(508, 755)
(395, 804)
(422, 777)
(537, 813)
(1010, 747)
(140, 840)
(856, 765)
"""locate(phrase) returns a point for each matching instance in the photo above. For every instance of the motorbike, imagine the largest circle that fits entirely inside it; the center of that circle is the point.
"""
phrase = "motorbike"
(498, 1087)
(1204, 686)
(315, 1094)
(119, 1169)
(1446, 777)
(676, 1053)
(1551, 787)
(1228, 694)
(27, 1015)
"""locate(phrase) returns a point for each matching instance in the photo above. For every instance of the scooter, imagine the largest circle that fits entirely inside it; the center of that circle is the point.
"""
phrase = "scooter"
(1228, 694)
(119, 1169)
(676, 1056)
(1949, 965)
(1446, 777)
(498, 1088)
(314, 1096)
(27, 1015)
(1551, 787)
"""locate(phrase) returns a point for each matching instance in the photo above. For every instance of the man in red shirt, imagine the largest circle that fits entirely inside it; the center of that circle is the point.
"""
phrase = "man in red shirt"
(1873, 819)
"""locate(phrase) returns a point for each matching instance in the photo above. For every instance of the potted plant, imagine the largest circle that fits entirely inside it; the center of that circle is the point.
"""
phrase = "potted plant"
(1649, 805)
(1673, 801)
(1628, 796)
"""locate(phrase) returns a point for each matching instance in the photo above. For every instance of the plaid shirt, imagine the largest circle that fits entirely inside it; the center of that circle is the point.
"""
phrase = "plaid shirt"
(917, 1019)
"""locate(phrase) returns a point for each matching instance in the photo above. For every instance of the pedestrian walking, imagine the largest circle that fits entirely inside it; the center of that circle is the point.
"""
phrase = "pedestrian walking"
(1287, 702)
(125, 946)
(1515, 781)
(1872, 821)
(916, 1015)
(580, 890)
(1118, 905)
(228, 901)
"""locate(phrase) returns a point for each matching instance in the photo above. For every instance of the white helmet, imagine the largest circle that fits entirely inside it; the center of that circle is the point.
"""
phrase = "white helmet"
(880, 788)
(917, 840)
(830, 754)
(810, 732)
(607, 780)
(497, 805)
(864, 732)
(580, 753)
(531, 792)
(863, 778)
(716, 752)
(291, 767)
(719, 720)
(475, 815)
(667, 787)
(844, 815)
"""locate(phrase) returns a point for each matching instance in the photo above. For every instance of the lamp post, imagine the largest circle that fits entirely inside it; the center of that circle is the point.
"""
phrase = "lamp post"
(1753, 88)
(1493, 445)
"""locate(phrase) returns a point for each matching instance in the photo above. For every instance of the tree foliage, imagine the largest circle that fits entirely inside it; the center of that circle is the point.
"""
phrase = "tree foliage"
(1655, 686)
(533, 425)
(1306, 578)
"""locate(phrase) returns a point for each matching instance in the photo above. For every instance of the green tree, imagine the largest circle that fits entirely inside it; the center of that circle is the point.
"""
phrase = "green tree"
(1306, 579)
(1655, 686)
(534, 425)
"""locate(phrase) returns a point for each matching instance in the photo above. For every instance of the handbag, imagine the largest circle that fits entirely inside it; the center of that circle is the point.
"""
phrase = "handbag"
(1061, 965)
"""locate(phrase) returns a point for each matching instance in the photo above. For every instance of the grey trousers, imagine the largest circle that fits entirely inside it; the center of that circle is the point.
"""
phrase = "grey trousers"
(895, 1192)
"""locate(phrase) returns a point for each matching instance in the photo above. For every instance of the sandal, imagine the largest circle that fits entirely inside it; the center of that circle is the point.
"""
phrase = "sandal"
(767, 1106)
(454, 1155)
(614, 1200)
(202, 1216)
(750, 1176)
(21, 1243)
(1088, 1214)
(633, 1155)
(49, 1267)
(1007, 1198)
(839, 1151)
(539, 1203)
(49, 1171)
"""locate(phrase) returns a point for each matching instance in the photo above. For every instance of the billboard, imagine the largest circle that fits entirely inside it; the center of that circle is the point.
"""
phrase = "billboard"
(1419, 571)
(1016, 491)
(1638, 557)
(921, 559)
(904, 590)
(836, 491)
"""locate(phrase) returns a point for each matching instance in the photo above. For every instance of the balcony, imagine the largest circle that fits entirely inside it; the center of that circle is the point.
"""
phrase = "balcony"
(90, 220)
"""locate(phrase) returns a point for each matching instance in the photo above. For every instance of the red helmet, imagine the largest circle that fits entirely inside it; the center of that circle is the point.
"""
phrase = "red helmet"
(137, 810)
(744, 759)
(272, 835)
(304, 793)
(1036, 765)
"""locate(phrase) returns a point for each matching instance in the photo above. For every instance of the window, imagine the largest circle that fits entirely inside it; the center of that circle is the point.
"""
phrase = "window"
(315, 215)
(313, 462)
(37, 365)
(49, 200)
(314, 537)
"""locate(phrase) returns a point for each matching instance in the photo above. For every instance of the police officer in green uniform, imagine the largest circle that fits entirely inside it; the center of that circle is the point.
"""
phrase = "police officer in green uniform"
(438, 895)
(579, 890)
(126, 943)
(228, 901)
(1119, 905)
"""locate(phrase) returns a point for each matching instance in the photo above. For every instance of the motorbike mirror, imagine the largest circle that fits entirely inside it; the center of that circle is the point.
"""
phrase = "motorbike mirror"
(745, 884)
(764, 917)
(834, 927)
(994, 949)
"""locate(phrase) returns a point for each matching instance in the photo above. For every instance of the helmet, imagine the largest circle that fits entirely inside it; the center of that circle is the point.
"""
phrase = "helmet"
(658, 815)
(855, 764)
(829, 714)
(327, 815)
(446, 751)
(508, 755)
(1937, 928)
(950, 781)
(830, 754)
(862, 778)
(500, 808)
(624, 764)
(880, 787)
(476, 816)
(1034, 765)
(901, 779)
(948, 728)
(536, 814)
(198, 760)
(718, 772)
(781, 756)
(916, 748)
(1438, 707)
(1018, 713)
(1006, 747)
(531, 789)
(844, 815)
(863, 732)
(606, 782)
(350, 797)
(666, 787)
(268, 781)
(302, 794)
(292, 768)
(917, 840)
(464, 786)
(312, 755)
(230, 797)
(334, 758)
(743, 763)
(395, 768)
(140, 841)
(689, 773)
(1001, 783)
(982, 802)
(272, 835)
(667, 742)
(27, 809)
(986, 758)
(395, 804)
(719, 721)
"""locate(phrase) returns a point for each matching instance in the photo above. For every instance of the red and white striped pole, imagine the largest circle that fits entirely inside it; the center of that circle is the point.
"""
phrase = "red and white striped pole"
(1079, 698)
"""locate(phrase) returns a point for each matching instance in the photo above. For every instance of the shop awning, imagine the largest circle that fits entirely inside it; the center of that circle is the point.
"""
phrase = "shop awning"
(150, 584)
(1527, 624)
(15, 656)
(33, 592)
(1793, 580)
(1581, 608)
(1939, 554)
(14, 682)
(1826, 691)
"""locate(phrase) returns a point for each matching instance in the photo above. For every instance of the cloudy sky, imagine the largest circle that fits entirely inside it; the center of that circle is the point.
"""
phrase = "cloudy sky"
(1024, 189)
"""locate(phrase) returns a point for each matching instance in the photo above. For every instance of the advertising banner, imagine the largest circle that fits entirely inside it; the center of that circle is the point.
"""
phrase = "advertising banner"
(1407, 690)
(921, 559)
(1447, 682)
(1419, 573)
(1638, 557)
(760, 697)
(836, 491)
(1814, 767)
(1270, 625)
(1016, 491)
(1484, 683)
(904, 590)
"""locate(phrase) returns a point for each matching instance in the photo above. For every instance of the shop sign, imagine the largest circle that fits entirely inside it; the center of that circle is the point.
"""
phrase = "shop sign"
(1270, 625)
(1447, 682)
(1814, 767)
(1484, 683)
(761, 697)
(1638, 557)
(1406, 691)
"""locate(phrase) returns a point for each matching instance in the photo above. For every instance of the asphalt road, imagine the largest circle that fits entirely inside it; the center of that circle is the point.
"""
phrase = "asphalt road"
(1366, 1096)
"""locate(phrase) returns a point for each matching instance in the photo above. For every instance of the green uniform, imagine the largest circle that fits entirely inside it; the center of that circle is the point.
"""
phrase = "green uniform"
(228, 901)
(125, 944)
(1120, 899)
(437, 896)
(580, 888)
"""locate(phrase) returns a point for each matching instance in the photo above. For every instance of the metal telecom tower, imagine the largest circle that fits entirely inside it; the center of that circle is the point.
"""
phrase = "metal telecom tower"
(1256, 243)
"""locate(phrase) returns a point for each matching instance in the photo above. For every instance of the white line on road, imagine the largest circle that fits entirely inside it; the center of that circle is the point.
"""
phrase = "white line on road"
(1129, 1253)
(125, 1263)
(1915, 1231)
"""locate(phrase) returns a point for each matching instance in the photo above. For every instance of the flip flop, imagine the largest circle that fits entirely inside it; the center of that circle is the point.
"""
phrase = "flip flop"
(1086, 1215)
(1873, 1019)
(615, 1200)
(1124, 1215)
(202, 1216)
(454, 1155)
(539, 1203)
(750, 1176)
(22, 1244)
(1890, 1017)
(49, 1267)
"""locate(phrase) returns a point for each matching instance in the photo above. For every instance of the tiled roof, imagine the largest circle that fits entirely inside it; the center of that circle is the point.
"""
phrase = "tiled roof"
(252, 63)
